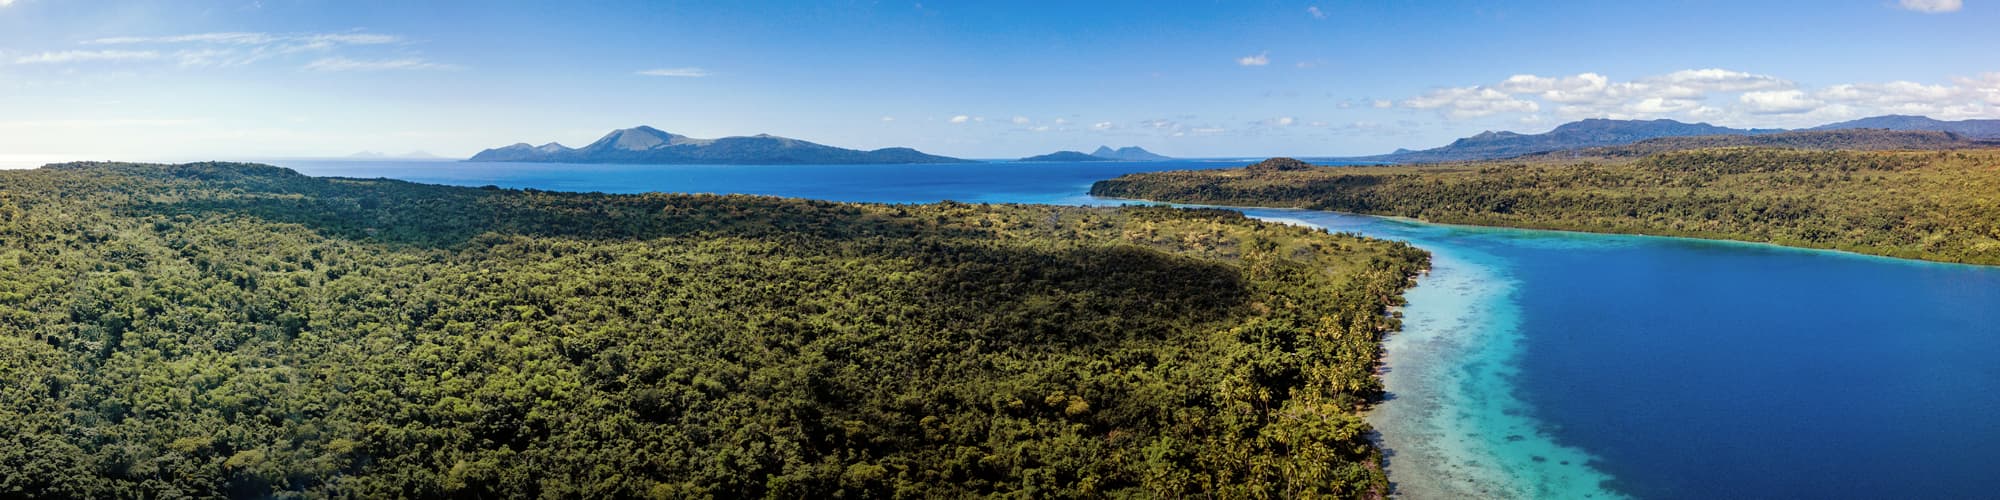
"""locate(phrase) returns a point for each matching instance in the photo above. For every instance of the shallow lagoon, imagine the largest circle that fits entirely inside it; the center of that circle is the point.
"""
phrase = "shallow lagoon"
(1563, 365)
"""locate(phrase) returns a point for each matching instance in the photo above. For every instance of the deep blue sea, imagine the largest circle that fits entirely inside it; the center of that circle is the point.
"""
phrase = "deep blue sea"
(1563, 365)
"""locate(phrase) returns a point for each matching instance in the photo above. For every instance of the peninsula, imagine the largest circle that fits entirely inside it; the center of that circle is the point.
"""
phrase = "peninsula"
(1918, 195)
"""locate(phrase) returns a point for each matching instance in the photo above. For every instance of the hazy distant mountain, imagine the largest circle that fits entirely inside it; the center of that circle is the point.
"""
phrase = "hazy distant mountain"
(649, 145)
(1128, 153)
(1574, 135)
(523, 152)
(1104, 153)
(1068, 156)
(1978, 129)
(1847, 139)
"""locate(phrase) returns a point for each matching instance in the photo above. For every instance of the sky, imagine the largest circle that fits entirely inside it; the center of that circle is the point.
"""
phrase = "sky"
(242, 79)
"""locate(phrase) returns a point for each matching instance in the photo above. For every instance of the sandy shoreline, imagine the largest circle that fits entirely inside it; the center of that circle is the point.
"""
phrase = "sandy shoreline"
(1452, 427)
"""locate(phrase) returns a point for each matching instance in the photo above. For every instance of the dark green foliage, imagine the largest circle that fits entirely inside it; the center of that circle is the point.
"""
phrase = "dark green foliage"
(1933, 205)
(1278, 165)
(240, 330)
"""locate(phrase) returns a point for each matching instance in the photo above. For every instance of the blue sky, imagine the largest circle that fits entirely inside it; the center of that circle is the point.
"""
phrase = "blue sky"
(192, 79)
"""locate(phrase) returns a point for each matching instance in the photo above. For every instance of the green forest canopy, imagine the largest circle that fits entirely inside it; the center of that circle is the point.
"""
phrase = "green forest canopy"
(1932, 205)
(240, 330)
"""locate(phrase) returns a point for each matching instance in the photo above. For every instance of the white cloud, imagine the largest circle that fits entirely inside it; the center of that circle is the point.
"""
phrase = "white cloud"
(676, 72)
(1021, 120)
(1965, 98)
(1383, 104)
(69, 56)
(1595, 94)
(354, 38)
(1736, 97)
(1932, 6)
(961, 119)
(235, 38)
(1772, 102)
(1986, 87)
(257, 45)
(1101, 126)
(1663, 105)
(1282, 121)
(217, 57)
(4, 3)
(1062, 121)
(1470, 102)
(97, 123)
(222, 49)
(1256, 60)
(888, 118)
(344, 64)
(292, 42)
(1721, 80)
(1316, 13)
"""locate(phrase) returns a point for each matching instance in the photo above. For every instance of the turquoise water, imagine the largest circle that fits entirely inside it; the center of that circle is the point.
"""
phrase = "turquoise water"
(1540, 364)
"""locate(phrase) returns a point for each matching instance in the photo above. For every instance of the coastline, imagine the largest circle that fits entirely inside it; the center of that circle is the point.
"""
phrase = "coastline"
(1452, 426)
(1720, 240)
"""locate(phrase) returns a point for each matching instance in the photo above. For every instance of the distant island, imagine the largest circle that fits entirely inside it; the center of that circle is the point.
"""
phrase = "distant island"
(1593, 133)
(650, 145)
(1103, 153)
(1128, 153)
(1067, 156)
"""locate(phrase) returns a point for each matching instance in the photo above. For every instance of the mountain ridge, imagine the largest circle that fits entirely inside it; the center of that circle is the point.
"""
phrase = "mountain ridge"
(645, 144)
(1103, 153)
(1604, 132)
(1804, 140)
(1586, 133)
(1976, 129)
(1128, 153)
(1067, 155)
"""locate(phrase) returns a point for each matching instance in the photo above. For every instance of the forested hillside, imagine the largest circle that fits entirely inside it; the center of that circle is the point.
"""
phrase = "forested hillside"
(1933, 205)
(239, 330)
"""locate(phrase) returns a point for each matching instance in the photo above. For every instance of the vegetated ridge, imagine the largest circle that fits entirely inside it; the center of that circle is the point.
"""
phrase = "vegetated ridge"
(1941, 205)
(241, 330)
(1598, 132)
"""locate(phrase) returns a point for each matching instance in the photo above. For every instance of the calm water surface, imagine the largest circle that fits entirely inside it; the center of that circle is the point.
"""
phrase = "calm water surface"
(1562, 365)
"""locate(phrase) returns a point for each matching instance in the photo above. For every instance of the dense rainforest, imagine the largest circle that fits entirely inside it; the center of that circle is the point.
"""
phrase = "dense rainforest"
(1932, 205)
(239, 330)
